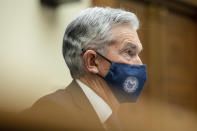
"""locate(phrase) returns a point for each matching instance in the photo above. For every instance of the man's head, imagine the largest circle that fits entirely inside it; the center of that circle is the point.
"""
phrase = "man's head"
(111, 32)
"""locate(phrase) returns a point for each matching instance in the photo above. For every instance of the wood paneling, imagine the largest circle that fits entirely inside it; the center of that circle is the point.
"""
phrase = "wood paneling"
(169, 41)
(193, 2)
(105, 3)
(179, 48)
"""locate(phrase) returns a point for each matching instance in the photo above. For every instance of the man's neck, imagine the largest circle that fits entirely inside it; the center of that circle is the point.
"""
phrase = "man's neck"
(100, 87)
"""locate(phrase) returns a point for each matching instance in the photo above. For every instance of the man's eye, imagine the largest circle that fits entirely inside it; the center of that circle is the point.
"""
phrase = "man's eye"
(129, 52)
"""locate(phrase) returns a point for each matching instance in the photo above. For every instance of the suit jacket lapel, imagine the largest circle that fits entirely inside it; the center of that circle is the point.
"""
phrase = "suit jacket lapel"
(82, 102)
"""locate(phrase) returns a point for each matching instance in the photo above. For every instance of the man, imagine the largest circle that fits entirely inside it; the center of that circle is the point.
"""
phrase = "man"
(101, 48)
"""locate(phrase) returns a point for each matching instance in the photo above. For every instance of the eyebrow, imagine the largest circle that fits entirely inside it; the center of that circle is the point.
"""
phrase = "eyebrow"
(133, 46)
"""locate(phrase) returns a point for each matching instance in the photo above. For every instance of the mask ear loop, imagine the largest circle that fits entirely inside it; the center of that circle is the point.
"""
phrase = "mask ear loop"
(83, 51)
(104, 57)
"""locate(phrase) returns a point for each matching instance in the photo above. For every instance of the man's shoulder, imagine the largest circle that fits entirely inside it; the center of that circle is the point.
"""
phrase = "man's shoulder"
(56, 101)
(65, 93)
(59, 96)
(62, 109)
(56, 98)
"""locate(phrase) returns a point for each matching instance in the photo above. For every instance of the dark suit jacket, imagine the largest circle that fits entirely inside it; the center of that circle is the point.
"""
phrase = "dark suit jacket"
(67, 108)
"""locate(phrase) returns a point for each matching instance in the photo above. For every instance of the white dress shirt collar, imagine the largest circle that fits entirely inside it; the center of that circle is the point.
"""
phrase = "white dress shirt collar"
(101, 108)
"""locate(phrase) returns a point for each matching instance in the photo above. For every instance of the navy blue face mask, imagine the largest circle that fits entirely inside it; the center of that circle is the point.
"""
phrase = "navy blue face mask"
(126, 81)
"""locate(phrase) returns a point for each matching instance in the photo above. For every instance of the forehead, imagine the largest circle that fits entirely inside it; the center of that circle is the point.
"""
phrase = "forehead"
(125, 35)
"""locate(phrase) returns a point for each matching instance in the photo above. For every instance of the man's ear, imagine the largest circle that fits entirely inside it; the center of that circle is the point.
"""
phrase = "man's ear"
(90, 61)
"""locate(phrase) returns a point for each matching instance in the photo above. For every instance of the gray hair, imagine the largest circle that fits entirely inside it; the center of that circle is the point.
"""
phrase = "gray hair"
(91, 30)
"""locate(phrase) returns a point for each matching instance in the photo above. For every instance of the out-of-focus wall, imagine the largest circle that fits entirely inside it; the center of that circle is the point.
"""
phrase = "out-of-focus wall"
(168, 35)
(31, 63)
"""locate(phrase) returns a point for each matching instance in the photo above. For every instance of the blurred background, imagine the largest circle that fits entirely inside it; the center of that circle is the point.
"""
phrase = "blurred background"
(32, 65)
